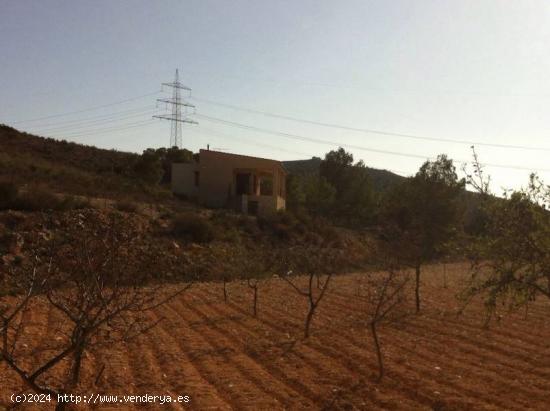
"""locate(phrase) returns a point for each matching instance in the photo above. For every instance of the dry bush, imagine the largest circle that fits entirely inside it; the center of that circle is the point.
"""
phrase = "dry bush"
(314, 263)
(385, 299)
(127, 205)
(192, 228)
(99, 278)
(8, 193)
(252, 265)
(39, 199)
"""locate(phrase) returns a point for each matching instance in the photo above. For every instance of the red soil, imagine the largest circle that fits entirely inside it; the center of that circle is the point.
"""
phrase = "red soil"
(223, 358)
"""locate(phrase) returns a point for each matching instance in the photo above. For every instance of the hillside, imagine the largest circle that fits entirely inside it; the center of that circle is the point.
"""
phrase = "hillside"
(73, 168)
(381, 179)
(68, 167)
(43, 179)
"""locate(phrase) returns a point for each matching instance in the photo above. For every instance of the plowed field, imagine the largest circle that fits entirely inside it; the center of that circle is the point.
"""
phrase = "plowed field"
(223, 358)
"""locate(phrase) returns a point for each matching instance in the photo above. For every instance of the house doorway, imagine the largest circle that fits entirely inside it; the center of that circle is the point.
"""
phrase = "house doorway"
(242, 186)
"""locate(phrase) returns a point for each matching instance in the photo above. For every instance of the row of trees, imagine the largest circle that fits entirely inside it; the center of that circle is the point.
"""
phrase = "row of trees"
(154, 166)
(431, 215)
(341, 190)
(417, 217)
(102, 280)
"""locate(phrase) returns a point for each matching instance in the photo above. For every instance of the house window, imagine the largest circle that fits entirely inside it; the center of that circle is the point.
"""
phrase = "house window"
(196, 178)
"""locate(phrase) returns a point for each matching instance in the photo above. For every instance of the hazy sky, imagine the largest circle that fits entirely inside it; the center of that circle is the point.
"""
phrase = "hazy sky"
(460, 70)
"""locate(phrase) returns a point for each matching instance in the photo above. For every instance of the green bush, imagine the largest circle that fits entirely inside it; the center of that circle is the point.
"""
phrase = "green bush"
(193, 228)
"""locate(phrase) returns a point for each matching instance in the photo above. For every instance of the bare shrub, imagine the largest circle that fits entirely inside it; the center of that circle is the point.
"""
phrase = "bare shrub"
(218, 264)
(320, 263)
(254, 265)
(253, 284)
(99, 278)
(385, 299)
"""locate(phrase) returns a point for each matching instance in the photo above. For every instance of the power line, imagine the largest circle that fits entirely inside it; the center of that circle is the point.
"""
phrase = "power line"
(102, 135)
(87, 109)
(94, 117)
(71, 128)
(108, 129)
(349, 146)
(368, 130)
(215, 133)
(271, 147)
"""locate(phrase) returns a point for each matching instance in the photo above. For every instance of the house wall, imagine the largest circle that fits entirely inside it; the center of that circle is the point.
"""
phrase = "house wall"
(218, 176)
(217, 181)
(280, 203)
(183, 179)
(268, 205)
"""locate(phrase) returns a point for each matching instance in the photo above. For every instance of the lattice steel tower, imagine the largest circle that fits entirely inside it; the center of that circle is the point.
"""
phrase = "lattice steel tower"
(176, 117)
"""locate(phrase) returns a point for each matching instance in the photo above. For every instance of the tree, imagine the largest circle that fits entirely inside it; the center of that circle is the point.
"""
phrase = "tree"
(100, 279)
(223, 264)
(311, 193)
(295, 195)
(313, 263)
(148, 167)
(385, 299)
(358, 201)
(355, 199)
(511, 257)
(255, 265)
(419, 216)
(335, 168)
(169, 156)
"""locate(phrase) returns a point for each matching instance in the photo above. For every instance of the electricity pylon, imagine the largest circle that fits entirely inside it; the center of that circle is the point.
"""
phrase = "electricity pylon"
(176, 117)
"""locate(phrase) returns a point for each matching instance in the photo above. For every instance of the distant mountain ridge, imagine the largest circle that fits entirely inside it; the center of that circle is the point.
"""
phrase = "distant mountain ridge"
(381, 179)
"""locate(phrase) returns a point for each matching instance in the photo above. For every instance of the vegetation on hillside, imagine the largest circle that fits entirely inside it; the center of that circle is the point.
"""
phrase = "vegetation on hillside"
(28, 161)
(103, 269)
(341, 191)
(381, 179)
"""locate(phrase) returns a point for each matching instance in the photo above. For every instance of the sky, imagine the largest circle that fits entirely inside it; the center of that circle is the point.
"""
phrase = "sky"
(432, 76)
